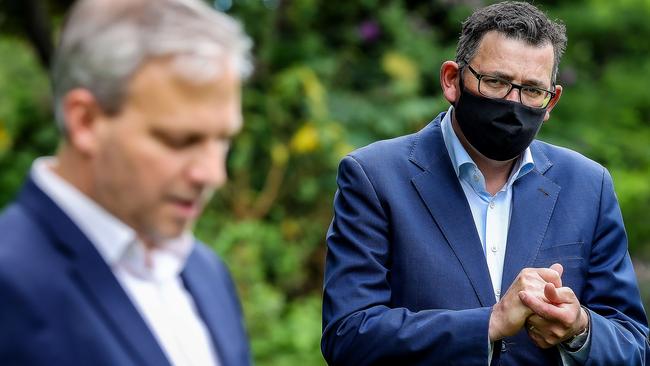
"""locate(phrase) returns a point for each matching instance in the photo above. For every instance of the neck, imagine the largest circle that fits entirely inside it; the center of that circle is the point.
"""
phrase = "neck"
(495, 172)
(74, 168)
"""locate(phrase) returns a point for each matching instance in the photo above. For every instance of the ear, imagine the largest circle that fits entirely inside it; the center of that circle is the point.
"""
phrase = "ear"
(553, 102)
(449, 81)
(82, 114)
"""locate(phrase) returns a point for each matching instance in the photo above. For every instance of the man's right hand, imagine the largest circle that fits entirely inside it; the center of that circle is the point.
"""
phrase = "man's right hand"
(509, 314)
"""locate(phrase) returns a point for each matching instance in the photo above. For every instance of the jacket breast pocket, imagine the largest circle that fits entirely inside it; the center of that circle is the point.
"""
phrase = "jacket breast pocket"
(569, 255)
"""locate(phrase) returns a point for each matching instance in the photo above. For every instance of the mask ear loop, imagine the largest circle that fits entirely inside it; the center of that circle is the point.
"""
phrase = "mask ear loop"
(460, 77)
(461, 84)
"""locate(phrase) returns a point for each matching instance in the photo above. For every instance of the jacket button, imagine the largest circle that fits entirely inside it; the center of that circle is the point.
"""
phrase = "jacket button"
(504, 348)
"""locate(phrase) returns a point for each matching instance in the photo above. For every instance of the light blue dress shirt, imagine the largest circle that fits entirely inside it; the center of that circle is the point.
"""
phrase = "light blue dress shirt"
(491, 214)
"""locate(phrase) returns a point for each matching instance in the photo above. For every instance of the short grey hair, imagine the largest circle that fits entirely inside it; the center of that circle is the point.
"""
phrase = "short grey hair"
(518, 20)
(104, 42)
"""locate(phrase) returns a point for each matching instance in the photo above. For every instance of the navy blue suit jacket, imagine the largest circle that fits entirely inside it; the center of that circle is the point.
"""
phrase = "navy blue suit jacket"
(60, 304)
(406, 281)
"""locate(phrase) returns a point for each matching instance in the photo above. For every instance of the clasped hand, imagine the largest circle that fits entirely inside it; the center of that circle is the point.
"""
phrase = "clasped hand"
(536, 299)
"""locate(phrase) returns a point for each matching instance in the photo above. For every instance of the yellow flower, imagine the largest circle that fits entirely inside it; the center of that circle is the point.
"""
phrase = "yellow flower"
(306, 139)
(400, 67)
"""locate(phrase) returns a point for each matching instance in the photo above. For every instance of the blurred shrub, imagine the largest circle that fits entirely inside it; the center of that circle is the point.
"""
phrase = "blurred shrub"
(26, 130)
(333, 76)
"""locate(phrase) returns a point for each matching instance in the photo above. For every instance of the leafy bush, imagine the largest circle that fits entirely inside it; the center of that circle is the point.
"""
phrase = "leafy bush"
(26, 130)
(333, 76)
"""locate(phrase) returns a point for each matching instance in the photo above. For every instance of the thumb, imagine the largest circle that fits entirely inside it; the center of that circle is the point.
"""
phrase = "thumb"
(557, 267)
(552, 294)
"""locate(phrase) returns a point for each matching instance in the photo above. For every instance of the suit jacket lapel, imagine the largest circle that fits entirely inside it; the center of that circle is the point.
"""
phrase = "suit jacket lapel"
(533, 199)
(210, 298)
(95, 278)
(439, 188)
(199, 279)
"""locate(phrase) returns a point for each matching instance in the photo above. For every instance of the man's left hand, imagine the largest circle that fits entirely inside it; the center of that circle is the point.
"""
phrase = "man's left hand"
(556, 321)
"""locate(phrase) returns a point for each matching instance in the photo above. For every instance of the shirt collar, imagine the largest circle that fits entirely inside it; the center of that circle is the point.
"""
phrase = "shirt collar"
(163, 263)
(115, 241)
(463, 163)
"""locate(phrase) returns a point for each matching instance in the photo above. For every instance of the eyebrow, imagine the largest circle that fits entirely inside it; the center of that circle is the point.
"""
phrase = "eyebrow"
(529, 82)
(171, 126)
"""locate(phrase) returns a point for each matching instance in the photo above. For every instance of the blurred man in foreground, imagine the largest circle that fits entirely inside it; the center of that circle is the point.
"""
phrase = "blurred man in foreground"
(98, 265)
(469, 243)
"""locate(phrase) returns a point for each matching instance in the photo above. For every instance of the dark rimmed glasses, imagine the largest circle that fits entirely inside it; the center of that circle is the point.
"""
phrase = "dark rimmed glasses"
(498, 88)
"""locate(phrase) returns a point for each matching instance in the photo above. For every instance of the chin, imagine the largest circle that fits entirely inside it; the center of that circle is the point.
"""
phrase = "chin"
(175, 232)
(167, 232)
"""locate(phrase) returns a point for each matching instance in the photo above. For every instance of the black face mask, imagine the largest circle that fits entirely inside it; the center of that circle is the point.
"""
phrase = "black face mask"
(497, 128)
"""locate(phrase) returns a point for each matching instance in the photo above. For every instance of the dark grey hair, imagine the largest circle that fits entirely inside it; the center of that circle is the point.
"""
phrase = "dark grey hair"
(104, 42)
(517, 20)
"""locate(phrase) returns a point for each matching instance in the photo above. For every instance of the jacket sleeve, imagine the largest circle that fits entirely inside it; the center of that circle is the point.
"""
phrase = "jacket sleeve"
(19, 324)
(619, 328)
(361, 326)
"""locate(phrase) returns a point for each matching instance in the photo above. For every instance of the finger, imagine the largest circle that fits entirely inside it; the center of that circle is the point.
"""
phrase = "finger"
(566, 295)
(538, 339)
(537, 321)
(539, 307)
(550, 275)
(557, 267)
(552, 294)
(551, 331)
(541, 326)
(562, 295)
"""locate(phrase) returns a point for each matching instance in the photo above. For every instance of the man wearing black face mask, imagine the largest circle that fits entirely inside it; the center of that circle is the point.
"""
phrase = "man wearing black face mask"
(470, 243)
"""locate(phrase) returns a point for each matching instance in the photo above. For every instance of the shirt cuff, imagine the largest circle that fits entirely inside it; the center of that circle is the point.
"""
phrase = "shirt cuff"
(490, 349)
(577, 356)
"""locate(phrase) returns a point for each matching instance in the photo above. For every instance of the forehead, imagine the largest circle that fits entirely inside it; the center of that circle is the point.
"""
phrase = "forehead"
(514, 57)
(159, 92)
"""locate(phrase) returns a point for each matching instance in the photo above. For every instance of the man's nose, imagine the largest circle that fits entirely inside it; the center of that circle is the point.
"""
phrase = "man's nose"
(209, 166)
(513, 95)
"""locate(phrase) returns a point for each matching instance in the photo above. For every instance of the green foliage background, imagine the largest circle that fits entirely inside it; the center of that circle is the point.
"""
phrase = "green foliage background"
(332, 76)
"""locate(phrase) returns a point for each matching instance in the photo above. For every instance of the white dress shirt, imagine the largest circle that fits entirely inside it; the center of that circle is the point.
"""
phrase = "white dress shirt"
(491, 214)
(150, 277)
